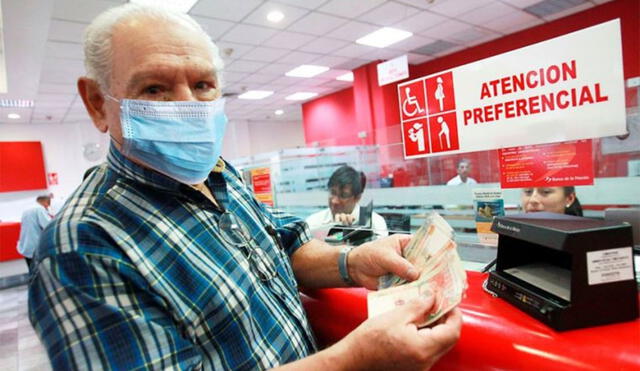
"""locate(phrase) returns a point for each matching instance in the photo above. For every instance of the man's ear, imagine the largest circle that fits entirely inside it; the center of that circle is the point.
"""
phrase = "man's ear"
(94, 102)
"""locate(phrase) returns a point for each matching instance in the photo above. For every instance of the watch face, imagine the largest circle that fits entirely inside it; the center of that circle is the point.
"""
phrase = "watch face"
(92, 152)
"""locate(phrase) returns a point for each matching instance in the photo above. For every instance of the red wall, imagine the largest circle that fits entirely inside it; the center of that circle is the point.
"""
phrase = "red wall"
(329, 117)
(21, 166)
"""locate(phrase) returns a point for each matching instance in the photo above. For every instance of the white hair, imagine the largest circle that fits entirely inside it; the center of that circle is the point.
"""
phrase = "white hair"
(98, 35)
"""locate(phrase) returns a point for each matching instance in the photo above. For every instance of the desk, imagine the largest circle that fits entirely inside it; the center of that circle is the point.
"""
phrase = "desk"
(495, 335)
(9, 234)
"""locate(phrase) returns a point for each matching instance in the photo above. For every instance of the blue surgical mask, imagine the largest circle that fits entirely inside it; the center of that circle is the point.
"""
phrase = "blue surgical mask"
(181, 139)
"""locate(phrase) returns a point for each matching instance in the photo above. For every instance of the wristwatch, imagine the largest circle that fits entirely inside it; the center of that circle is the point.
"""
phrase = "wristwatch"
(342, 265)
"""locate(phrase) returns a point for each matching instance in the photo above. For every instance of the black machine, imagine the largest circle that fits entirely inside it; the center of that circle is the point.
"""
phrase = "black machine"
(354, 234)
(568, 272)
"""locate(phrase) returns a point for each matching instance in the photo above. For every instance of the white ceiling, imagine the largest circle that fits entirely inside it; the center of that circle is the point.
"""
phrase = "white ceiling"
(44, 55)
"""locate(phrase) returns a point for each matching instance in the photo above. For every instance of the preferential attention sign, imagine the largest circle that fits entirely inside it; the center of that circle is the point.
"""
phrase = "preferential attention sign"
(566, 88)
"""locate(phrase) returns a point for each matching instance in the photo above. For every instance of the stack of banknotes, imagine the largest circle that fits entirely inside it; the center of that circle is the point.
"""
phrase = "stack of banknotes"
(433, 253)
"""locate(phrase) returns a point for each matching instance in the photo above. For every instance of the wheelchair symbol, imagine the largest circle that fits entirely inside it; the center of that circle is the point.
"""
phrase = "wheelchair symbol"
(411, 102)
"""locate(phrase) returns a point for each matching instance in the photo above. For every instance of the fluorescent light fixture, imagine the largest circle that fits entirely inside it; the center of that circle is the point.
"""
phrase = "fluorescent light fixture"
(346, 77)
(14, 116)
(384, 37)
(301, 95)
(279, 112)
(255, 94)
(16, 103)
(307, 70)
(275, 16)
(182, 6)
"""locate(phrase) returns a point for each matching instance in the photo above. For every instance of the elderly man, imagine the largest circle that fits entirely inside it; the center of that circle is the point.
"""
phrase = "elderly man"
(163, 259)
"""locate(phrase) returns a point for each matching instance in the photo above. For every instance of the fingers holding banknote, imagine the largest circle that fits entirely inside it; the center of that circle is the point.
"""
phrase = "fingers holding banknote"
(392, 341)
(373, 259)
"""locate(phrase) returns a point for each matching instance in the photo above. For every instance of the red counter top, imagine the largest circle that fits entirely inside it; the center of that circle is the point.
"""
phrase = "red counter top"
(495, 335)
(9, 234)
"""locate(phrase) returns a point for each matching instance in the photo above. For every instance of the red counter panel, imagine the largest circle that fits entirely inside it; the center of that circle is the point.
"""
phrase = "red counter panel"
(495, 335)
(9, 234)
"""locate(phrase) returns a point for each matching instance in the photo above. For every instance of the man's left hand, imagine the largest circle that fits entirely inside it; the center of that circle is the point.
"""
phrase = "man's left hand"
(369, 261)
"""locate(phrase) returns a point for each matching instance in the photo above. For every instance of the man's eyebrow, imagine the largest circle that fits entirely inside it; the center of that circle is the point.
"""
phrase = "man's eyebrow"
(140, 77)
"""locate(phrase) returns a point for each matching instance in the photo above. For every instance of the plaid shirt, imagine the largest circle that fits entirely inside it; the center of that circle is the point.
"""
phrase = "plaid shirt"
(133, 274)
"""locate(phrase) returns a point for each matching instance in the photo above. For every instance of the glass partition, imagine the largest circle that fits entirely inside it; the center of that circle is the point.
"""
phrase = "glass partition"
(405, 191)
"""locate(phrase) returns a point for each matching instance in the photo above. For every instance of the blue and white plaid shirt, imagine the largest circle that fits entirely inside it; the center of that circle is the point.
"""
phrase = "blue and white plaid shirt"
(133, 274)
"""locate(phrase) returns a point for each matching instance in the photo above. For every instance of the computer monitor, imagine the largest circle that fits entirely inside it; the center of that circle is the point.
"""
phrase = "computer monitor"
(626, 215)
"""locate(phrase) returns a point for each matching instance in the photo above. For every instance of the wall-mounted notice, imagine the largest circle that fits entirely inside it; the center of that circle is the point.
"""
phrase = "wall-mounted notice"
(567, 88)
(393, 70)
(261, 181)
(547, 165)
(488, 203)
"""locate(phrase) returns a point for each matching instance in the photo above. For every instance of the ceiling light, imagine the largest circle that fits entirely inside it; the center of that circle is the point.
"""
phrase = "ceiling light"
(384, 37)
(275, 16)
(255, 94)
(279, 112)
(301, 95)
(14, 116)
(346, 77)
(182, 6)
(307, 70)
(16, 103)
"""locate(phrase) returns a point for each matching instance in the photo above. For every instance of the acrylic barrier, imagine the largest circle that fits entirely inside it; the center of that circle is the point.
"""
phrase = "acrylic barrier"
(495, 335)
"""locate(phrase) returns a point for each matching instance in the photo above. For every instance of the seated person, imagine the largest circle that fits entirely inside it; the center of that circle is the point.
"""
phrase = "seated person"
(463, 169)
(345, 189)
(561, 200)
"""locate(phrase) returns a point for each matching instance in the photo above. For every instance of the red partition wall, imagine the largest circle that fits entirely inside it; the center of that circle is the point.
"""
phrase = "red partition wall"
(21, 166)
(9, 235)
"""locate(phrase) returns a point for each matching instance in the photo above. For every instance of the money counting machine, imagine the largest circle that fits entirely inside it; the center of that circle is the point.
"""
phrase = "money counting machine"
(568, 272)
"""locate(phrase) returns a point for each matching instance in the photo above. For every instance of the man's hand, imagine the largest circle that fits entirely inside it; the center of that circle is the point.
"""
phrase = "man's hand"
(393, 342)
(371, 260)
(344, 219)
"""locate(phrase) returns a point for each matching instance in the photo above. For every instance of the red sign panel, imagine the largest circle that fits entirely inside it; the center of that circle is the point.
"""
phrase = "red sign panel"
(261, 181)
(427, 109)
(547, 165)
(440, 93)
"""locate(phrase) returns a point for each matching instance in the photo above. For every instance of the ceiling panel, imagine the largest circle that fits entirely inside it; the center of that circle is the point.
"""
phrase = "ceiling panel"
(258, 53)
(352, 31)
(323, 45)
(288, 40)
(455, 8)
(389, 13)
(214, 27)
(66, 31)
(420, 21)
(259, 15)
(317, 24)
(265, 54)
(487, 13)
(248, 34)
(63, 50)
(307, 4)
(80, 11)
(228, 10)
(349, 9)
(298, 58)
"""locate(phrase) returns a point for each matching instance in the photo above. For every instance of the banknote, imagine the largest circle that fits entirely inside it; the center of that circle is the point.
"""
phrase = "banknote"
(434, 254)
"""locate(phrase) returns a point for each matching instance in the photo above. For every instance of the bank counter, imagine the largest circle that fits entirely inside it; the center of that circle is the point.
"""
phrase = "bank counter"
(495, 335)
(9, 235)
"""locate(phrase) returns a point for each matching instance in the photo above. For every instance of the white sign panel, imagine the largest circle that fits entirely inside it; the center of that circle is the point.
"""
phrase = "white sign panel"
(567, 88)
(393, 70)
(610, 265)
